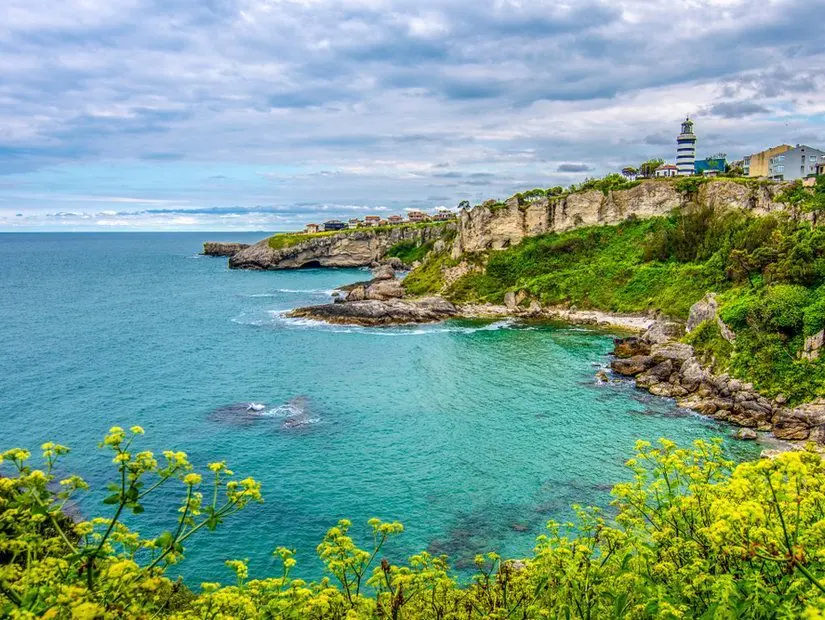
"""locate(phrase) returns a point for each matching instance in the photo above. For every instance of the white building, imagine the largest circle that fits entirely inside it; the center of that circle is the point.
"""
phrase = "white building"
(796, 163)
(667, 170)
(686, 149)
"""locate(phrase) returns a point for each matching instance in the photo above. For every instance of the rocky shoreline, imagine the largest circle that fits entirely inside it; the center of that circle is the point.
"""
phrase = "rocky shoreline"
(663, 366)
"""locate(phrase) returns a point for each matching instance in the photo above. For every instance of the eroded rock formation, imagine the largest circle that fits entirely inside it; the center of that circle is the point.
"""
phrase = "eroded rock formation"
(222, 248)
(494, 227)
(374, 312)
(352, 248)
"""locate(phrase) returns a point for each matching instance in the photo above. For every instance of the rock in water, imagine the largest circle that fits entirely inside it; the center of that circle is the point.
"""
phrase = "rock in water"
(383, 272)
(374, 312)
(745, 434)
(220, 248)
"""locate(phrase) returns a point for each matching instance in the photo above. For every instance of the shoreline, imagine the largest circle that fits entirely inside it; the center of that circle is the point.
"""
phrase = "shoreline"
(632, 323)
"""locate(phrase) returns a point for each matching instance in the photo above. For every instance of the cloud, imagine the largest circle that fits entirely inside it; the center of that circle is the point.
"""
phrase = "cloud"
(737, 109)
(378, 103)
(573, 167)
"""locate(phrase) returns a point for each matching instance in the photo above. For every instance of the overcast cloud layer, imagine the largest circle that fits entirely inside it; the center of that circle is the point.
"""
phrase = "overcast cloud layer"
(265, 114)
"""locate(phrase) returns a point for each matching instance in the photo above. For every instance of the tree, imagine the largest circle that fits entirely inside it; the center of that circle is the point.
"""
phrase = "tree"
(648, 168)
(630, 171)
(464, 204)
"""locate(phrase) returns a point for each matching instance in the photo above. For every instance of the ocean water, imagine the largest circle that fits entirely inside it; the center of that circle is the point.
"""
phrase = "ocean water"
(473, 434)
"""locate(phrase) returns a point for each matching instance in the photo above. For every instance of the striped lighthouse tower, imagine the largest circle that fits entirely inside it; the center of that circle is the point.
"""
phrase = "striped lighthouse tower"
(686, 149)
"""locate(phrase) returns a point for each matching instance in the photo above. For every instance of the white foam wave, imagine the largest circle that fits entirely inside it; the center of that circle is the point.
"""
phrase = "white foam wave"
(287, 410)
(279, 318)
(292, 291)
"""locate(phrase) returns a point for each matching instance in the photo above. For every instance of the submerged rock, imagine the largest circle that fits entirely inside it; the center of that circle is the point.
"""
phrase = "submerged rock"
(373, 312)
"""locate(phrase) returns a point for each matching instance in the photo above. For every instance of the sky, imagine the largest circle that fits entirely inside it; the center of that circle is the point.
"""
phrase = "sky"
(268, 114)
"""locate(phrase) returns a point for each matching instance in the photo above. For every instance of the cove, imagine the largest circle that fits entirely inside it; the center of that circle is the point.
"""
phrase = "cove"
(473, 434)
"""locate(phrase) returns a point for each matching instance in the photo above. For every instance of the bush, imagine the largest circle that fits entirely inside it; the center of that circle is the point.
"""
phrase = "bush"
(693, 536)
(410, 251)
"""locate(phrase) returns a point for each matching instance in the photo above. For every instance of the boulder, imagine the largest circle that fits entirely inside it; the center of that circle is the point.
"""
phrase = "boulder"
(657, 374)
(813, 345)
(692, 374)
(510, 299)
(701, 311)
(383, 272)
(357, 294)
(628, 347)
(798, 422)
(676, 352)
(663, 331)
(745, 434)
(382, 290)
(631, 366)
(668, 390)
(395, 262)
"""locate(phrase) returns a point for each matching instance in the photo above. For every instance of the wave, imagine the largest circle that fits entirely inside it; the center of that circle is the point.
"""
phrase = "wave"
(279, 319)
(291, 291)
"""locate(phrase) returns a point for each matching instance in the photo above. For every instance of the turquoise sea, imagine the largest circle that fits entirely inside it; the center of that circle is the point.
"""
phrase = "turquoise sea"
(473, 434)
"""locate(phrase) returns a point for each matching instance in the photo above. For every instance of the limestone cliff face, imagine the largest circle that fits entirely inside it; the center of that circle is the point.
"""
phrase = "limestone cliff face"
(348, 249)
(494, 228)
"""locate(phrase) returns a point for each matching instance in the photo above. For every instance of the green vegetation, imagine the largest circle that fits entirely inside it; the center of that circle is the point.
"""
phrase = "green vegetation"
(428, 278)
(410, 251)
(286, 240)
(612, 182)
(769, 272)
(693, 536)
(809, 199)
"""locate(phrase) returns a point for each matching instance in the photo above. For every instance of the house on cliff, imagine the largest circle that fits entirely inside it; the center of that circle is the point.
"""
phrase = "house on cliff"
(667, 170)
(312, 228)
(417, 216)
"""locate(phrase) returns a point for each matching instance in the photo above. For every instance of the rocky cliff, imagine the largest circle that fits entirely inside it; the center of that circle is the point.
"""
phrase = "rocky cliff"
(221, 248)
(497, 227)
(351, 248)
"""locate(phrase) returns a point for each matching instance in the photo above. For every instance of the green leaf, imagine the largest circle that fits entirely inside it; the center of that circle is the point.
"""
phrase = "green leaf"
(165, 539)
(112, 499)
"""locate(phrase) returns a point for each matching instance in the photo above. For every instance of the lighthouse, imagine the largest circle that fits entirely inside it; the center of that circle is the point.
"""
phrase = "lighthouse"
(686, 149)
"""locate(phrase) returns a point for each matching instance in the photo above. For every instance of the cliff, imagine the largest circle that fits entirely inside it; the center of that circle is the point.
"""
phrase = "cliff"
(498, 227)
(221, 248)
(349, 248)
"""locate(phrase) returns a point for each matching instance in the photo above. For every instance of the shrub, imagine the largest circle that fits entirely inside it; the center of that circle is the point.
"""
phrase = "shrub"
(410, 251)
(693, 536)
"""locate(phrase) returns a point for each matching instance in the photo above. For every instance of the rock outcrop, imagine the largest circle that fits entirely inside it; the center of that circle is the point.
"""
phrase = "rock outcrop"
(374, 312)
(351, 248)
(222, 248)
(813, 346)
(707, 310)
(496, 227)
(666, 367)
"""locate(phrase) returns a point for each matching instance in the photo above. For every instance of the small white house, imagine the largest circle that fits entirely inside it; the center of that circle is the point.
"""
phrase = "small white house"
(667, 170)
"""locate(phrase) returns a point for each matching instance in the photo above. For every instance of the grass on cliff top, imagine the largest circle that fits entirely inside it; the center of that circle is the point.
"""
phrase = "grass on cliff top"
(769, 273)
(287, 240)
